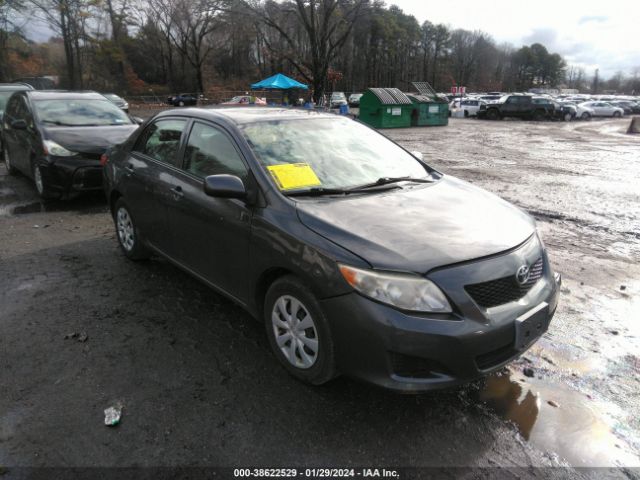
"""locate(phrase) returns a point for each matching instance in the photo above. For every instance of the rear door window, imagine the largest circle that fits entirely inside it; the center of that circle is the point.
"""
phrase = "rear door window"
(161, 140)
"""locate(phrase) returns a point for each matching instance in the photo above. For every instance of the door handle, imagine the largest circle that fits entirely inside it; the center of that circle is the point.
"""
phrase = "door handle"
(177, 192)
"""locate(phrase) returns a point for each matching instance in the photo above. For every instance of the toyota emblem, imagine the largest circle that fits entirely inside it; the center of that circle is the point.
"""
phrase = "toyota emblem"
(522, 275)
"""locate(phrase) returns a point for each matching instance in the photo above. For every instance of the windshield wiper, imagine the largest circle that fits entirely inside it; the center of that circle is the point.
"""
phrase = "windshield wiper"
(60, 124)
(317, 191)
(388, 180)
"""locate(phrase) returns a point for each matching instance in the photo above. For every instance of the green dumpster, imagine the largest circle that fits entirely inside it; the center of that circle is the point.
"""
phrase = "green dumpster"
(385, 108)
(428, 111)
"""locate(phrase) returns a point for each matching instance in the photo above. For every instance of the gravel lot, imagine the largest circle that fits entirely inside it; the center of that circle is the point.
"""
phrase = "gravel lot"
(82, 328)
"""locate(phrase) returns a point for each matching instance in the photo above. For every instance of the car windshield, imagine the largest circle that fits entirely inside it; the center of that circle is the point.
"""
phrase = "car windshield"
(80, 112)
(328, 153)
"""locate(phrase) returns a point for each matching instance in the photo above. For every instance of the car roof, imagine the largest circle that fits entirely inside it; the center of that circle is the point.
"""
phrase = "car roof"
(14, 87)
(246, 115)
(63, 95)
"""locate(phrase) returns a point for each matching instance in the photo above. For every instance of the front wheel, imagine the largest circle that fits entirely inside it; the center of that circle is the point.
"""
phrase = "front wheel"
(617, 114)
(127, 232)
(298, 331)
(11, 170)
(585, 116)
(43, 189)
(181, 103)
(567, 117)
(493, 114)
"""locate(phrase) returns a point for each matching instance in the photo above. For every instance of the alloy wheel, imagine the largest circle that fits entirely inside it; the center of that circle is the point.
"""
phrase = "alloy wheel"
(295, 332)
(126, 231)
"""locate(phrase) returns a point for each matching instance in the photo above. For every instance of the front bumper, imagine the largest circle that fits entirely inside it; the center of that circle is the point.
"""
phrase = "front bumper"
(66, 175)
(411, 352)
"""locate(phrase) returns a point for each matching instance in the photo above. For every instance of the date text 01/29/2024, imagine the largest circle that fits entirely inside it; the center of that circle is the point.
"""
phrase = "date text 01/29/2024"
(315, 473)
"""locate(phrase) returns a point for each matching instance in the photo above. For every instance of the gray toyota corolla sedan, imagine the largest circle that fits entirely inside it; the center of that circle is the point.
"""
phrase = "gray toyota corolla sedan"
(360, 258)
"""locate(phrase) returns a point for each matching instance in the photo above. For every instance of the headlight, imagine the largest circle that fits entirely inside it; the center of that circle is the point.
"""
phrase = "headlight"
(52, 148)
(404, 291)
(126, 105)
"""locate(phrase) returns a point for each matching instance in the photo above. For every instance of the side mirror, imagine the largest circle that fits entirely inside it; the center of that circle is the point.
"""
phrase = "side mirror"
(224, 186)
(137, 120)
(19, 124)
(418, 155)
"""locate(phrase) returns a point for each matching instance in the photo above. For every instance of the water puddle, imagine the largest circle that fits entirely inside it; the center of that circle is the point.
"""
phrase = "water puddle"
(557, 419)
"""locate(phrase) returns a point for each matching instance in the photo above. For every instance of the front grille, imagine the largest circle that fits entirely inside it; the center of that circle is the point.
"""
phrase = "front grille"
(505, 289)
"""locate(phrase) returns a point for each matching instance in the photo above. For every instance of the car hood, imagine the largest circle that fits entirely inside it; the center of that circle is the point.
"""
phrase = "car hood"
(92, 140)
(420, 228)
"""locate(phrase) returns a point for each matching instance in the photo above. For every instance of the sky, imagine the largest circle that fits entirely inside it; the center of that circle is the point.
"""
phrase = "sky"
(592, 34)
(602, 34)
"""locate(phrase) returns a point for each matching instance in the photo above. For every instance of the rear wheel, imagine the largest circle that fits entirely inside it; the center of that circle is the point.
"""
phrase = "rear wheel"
(181, 103)
(298, 331)
(538, 115)
(617, 114)
(492, 114)
(127, 232)
(567, 117)
(11, 170)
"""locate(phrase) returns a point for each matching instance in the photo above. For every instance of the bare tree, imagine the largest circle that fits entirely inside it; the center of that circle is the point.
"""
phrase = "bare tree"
(326, 25)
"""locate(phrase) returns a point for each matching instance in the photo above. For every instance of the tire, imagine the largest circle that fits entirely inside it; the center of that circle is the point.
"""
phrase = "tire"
(538, 115)
(181, 103)
(492, 114)
(466, 114)
(44, 191)
(567, 117)
(585, 116)
(127, 233)
(11, 170)
(617, 114)
(282, 325)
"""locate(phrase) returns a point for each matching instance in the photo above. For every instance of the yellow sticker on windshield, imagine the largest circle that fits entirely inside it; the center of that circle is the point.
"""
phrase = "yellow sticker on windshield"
(294, 175)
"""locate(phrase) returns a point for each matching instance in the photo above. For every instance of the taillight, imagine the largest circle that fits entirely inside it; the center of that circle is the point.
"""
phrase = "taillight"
(104, 159)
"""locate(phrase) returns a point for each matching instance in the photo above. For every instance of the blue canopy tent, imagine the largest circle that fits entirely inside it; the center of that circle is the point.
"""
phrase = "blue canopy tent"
(279, 82)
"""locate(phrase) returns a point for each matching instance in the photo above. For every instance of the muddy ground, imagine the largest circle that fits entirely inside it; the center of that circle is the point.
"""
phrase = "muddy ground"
(82, 328)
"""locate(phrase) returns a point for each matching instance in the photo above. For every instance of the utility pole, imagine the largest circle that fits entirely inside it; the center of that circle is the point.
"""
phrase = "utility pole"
(596, 82)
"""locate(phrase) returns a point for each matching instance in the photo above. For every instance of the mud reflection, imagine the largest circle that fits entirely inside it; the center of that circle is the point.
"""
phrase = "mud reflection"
(560, 420)
(512, 402)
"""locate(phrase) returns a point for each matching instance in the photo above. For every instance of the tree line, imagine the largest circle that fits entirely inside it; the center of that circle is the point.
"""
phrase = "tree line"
(142, 46)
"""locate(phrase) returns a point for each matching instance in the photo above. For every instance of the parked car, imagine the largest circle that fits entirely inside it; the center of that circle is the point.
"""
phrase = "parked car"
(6, 90)
(57, 138)
(354, 99)
(469, 106)
(183, 100)
(628, 107)
(359, 258)
(556, 110)
(582, 111)
(119, 102)
(337, 100)
(603, 109)
(519, 106)
(241, 100)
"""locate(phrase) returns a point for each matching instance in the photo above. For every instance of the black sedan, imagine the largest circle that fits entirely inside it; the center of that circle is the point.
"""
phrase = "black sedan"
(183, 100)
(57, 138)
(358, 257)
(6, 90)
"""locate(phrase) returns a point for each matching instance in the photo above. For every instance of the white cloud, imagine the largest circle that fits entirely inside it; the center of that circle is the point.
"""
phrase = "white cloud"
(589, 33)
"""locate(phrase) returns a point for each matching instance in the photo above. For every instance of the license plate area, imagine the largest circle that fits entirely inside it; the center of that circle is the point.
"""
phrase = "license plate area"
(530, 325)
